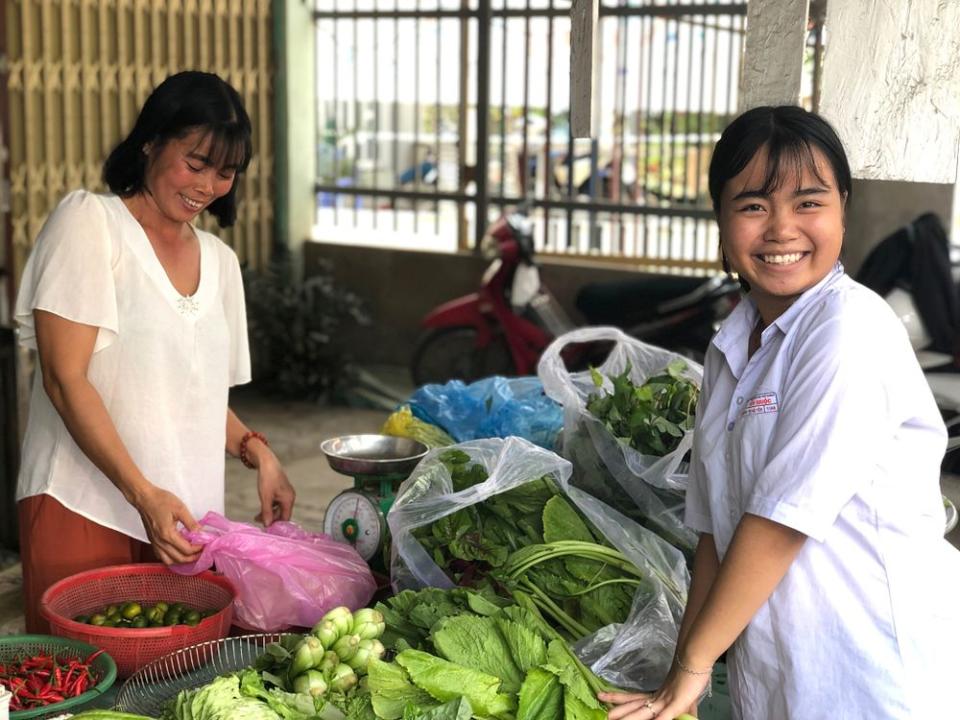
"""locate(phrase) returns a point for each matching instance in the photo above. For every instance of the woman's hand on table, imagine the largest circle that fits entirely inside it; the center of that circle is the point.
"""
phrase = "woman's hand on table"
(160, 511)
(276, 493)
(679, 694)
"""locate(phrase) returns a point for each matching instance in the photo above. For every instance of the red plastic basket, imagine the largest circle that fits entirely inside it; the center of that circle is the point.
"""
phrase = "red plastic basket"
(132, 648)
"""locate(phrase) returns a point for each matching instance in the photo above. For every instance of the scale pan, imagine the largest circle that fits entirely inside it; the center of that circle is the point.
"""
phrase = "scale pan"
(373, 454)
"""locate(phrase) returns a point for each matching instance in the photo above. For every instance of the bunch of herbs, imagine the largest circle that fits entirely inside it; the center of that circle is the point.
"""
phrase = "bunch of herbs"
(652, 418)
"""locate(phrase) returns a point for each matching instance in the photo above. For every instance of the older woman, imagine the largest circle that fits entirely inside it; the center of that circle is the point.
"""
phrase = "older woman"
(139, 320)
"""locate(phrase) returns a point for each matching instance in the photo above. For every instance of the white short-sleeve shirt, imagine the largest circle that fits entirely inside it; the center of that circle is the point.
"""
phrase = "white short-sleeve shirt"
(831, 429)
(163, 363)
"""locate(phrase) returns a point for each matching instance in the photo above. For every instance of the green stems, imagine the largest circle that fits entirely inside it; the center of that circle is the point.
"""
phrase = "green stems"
(518, 563)
(577, 630)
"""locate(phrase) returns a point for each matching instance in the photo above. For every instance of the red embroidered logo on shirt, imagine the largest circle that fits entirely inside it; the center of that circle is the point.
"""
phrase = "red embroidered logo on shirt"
(762, 403)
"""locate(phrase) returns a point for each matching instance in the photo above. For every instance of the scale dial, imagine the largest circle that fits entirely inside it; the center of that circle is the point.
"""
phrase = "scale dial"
(354, 518)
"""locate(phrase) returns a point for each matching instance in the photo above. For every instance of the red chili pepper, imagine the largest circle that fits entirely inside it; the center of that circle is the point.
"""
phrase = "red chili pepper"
(46, 679)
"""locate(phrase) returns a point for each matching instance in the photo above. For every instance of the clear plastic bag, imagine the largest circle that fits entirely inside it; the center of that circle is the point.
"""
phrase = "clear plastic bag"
(492, 407)
(634, 654)
(649, 489)
(285, 576)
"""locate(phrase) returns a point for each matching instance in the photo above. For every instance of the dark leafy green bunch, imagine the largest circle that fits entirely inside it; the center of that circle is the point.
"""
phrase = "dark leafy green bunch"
(532, 540)
(652, 418)
(471, 541)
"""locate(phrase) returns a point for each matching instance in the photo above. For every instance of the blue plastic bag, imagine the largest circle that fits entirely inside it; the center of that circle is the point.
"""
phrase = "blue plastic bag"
(495, 407)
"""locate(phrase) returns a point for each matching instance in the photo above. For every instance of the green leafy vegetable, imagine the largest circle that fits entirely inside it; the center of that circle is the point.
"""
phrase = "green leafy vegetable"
(541, 697)
(222, 698)
(447, 681)
(526, 644)
(653, 417)
(488, 659)
(410, 615)
(392, 691)
(476, 642)
(458, 709)
(558, 656)
(562, 522)
(485, 545)
(573, 709)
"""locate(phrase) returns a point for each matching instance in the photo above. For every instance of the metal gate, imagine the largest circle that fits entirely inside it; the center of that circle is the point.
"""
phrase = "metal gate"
(433, 114)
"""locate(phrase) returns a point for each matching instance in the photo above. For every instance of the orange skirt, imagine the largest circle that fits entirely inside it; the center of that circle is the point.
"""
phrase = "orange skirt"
(56, 543)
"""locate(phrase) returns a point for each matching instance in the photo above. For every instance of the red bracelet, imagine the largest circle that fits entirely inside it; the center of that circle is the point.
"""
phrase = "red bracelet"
(243, 447)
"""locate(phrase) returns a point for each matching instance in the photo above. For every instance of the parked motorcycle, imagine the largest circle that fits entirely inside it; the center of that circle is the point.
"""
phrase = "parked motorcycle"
(503, 327)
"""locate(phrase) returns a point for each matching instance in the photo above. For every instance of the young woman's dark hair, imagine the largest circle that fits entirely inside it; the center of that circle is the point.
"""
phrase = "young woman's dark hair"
(183, 103)
(789, 134)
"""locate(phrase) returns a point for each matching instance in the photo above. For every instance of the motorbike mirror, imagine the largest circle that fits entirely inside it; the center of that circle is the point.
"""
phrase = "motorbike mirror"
(523, 208)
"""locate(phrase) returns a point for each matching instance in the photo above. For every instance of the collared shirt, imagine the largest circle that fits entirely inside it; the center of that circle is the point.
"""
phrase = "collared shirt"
(831, 429)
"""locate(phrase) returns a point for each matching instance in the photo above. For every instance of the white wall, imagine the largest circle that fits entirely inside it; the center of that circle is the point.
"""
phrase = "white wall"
(891, 86)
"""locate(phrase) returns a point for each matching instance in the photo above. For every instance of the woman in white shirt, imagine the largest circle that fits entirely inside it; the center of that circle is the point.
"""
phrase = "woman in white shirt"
(140, 325)
(814, 480)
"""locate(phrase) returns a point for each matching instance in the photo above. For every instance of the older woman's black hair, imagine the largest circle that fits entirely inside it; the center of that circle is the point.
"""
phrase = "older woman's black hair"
(788, 134)
(183, 103)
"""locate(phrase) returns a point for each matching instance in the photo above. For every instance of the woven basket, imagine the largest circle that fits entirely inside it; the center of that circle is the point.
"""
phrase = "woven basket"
(13, 647)
(132, 648)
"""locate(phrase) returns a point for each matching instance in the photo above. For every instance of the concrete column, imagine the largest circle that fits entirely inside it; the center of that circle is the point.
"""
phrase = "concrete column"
(584, 66)
(773, 53)
(891, 86)
(296, 126)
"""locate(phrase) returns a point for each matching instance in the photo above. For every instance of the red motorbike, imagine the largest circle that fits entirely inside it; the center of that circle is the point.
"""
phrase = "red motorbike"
(503, 328)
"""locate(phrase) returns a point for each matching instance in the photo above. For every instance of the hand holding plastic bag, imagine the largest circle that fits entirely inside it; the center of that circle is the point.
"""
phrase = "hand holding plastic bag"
(284, 575)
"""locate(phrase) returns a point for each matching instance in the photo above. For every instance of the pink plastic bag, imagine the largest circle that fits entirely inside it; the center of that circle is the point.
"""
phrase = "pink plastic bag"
(284, 575)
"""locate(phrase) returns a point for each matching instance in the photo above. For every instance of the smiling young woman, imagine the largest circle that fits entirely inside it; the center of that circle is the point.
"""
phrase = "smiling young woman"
(785, 239)
(815, 468)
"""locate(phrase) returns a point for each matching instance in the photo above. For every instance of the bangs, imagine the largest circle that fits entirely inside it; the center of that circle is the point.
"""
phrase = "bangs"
(230, 147)
(787, 160)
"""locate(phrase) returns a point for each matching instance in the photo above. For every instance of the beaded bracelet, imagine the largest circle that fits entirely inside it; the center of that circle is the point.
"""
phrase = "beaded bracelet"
(243, 447)
(689, 671)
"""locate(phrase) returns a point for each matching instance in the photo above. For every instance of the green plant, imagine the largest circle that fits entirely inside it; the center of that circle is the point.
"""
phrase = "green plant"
(296, 331)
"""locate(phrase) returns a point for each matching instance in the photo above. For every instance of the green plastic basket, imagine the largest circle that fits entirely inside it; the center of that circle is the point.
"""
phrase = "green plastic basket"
(16, 646)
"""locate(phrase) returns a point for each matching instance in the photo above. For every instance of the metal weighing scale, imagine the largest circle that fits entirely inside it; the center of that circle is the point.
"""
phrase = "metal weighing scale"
(377, 464)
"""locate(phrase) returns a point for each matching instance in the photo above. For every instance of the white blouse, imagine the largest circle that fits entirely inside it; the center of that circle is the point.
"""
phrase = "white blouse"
(163, 363)
(831, 429)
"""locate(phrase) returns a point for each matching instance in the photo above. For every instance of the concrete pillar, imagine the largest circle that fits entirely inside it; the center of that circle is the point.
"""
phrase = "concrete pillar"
(296, 126)
(891, 86)
(773, 53)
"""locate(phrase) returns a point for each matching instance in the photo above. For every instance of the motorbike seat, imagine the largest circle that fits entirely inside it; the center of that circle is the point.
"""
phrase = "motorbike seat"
(628, 301)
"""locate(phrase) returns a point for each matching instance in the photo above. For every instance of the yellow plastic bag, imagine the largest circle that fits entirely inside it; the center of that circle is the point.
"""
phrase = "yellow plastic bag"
(403, 423)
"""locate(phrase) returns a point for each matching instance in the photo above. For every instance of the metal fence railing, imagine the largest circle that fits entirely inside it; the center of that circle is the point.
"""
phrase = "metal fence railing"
(436, 113)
